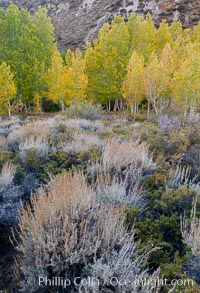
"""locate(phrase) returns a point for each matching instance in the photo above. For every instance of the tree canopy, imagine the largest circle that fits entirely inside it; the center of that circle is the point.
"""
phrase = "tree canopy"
(129, 63)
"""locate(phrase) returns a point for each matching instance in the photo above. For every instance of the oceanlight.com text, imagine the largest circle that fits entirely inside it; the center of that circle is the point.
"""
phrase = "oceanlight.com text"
(115, 282)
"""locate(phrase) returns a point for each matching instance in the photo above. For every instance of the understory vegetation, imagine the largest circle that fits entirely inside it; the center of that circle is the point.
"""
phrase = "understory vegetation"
(102, 198)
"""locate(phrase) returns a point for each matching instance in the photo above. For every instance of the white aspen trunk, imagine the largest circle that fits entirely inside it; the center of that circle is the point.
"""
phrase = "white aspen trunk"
(148, 110)
(155, 106)
(121, 104)
(109, 105)
(132, 109)
(118, 105)
(63, 106)
(9, 109)
(40, 106)
(186, 104)
(115, 106)
(26, 109)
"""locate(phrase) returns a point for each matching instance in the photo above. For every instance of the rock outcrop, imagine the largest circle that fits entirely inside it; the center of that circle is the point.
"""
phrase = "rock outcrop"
(78, 21)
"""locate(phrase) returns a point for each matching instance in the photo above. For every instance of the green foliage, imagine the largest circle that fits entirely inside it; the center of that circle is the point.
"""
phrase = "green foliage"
(27, 44)
(84, 110)
(139, 117)
(172, 144)
(7, 86)
(56, 80)
(75, 77)
(93, 155)
(31, 161)
(106, 62)
(160, 224)
(58, 162)
(130, 62)
(5, 156)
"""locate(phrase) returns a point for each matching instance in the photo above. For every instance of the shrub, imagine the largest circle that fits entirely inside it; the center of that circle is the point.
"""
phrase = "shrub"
(30, 183)
(67, 233)
(38, 145)
(84, 110)
(178, 177)
(6, 178)
(58, 162)
(93, 170)
(167, 124)
(31, 129)
(8, 215)
(9, 196)
(192, 158)
(82, 142)
(139, 117)
(3, 142)
(59, 139)
(5, 156)
(8, 123)
(84, 124)
(118, 192)
(191, 236)
(89, 125)
(129, 156)
(172, 147)
(91, 155)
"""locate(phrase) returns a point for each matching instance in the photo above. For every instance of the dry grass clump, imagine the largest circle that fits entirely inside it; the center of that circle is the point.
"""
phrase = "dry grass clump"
(6, 176)
(82, 142)
(39, 145)
(65, 232)
(128, 163)
(191, 236)
(124, 158)
(178, 177)
(9, 196)
(191, 232)
(3, 142)
(36, 129)
(127, 154)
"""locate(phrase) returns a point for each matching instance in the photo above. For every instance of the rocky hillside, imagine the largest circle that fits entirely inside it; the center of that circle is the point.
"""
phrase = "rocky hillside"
(78, 21)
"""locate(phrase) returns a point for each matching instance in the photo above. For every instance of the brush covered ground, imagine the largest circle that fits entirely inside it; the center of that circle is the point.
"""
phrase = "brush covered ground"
(88, 194)
(100, 195)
